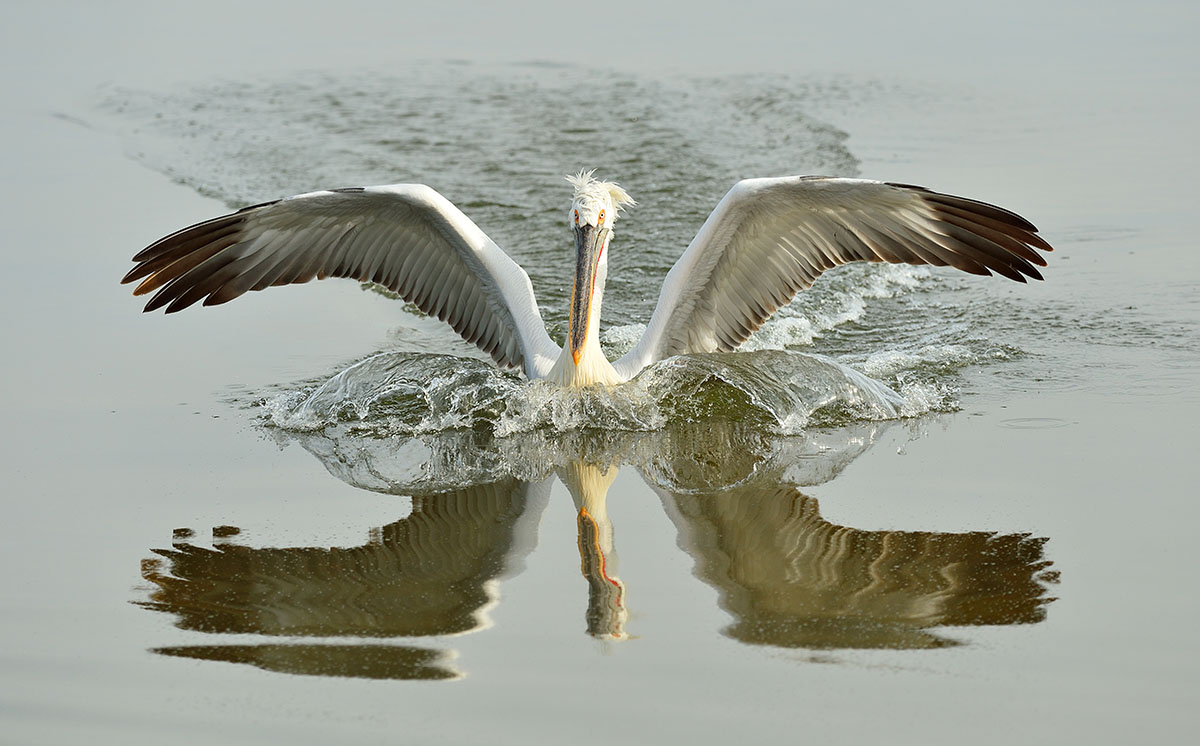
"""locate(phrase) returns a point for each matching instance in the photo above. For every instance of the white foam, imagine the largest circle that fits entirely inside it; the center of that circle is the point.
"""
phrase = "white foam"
(889, 363)
(838, 298)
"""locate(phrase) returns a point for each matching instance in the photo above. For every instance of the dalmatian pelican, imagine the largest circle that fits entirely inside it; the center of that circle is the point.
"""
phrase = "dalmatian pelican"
(766, 240)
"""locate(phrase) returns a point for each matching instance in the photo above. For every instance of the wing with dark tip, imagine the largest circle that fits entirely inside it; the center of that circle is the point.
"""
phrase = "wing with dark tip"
(770, 238)
(406, 237)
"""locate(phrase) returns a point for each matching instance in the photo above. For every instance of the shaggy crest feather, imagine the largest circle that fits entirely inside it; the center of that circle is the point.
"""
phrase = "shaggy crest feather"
(588, 188)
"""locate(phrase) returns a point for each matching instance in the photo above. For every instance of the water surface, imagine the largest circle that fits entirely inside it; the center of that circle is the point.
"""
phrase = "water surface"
(923, 507)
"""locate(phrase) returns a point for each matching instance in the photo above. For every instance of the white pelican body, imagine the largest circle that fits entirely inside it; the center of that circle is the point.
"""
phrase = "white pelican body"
(764, 242)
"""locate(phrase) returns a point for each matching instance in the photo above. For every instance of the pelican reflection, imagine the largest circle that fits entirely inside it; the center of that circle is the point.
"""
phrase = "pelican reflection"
(788, 577)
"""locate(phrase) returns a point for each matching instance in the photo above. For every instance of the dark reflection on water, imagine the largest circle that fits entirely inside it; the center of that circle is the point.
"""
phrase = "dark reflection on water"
(430, 573)
(789, 577)
(792, 579)
(352, 661)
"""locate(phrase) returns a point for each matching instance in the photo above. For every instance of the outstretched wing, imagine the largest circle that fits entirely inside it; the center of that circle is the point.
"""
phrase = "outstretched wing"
(770, 238)
(406, 237)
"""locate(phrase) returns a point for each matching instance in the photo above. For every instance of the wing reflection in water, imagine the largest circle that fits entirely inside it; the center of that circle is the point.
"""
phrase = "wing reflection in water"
(432, 573)
(788, 577)
(792, 579)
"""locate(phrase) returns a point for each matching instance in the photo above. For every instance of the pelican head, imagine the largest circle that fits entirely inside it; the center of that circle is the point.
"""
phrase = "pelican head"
(594, 210)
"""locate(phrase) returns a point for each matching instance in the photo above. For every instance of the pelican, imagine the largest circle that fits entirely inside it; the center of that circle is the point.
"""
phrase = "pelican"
(767, 239)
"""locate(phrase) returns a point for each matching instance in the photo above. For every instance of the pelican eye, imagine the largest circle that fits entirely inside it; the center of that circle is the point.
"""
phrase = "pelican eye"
(601, 218)
(577, 217)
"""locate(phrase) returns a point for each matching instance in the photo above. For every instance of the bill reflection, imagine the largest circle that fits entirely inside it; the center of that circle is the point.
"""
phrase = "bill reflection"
(606, 610)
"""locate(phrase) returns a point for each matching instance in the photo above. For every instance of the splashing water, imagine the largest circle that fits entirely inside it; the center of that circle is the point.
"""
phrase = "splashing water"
(395, 393)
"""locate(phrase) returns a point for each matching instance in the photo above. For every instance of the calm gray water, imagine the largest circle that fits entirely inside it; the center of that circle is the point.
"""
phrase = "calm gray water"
(921, 507)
